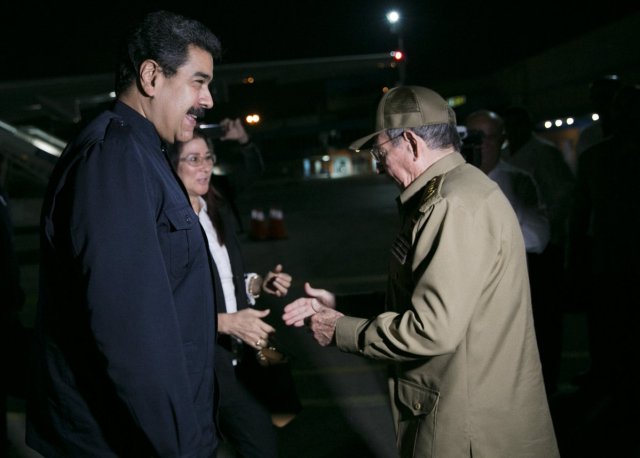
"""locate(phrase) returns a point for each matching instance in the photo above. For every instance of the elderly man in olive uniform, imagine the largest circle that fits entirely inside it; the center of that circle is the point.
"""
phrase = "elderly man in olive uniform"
(458, 324)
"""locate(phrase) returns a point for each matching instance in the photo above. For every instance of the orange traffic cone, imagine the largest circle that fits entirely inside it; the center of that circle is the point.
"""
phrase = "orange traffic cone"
(276, 224)
(258, 226)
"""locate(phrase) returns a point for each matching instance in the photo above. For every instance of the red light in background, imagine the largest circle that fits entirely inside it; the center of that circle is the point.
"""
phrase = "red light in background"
(397, 55)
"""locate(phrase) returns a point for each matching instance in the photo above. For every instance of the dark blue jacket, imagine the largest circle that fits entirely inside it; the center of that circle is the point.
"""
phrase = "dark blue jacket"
(126, 323)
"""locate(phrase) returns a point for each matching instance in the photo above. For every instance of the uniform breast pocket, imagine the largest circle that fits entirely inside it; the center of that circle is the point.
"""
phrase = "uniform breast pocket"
(181, 239)
(417, 408)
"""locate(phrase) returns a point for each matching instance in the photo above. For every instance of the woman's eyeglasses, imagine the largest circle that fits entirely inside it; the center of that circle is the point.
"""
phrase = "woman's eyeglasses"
(194, 160)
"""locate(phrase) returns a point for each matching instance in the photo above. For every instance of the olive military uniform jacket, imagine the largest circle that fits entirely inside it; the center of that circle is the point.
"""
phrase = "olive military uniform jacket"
(466, 379)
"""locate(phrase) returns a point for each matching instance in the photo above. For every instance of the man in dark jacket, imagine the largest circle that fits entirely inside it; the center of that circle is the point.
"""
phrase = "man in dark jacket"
(124, 350)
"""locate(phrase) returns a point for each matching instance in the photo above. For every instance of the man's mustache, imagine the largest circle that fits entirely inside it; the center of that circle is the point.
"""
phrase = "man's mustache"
(197, 112)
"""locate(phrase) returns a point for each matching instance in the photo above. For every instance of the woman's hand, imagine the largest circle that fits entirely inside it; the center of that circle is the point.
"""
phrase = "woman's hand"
(247, 325)
(276, 282)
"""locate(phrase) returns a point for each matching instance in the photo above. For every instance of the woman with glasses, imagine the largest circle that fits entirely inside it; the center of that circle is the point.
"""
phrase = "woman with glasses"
(244, 422)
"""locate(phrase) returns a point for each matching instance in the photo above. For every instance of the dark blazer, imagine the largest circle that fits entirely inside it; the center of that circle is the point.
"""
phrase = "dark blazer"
(235, 257)
(124, 353)
(244, 419)
(234, 250)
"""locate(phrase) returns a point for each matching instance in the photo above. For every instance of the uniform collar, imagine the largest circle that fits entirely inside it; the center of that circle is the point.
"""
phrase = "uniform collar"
(441, 166)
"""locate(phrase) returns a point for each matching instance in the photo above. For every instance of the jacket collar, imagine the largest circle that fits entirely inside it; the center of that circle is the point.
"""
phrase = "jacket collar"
(443, 165)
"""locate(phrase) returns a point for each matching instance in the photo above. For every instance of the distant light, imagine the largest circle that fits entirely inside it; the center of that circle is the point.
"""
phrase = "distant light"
(46, 147)
(548, 124)
(385, 89)
(248, 80)
(397, 55)
(325, 158)
(569, 121)
(112, 94)
(457, 100)
(252, 119)
(595, 116)
(558, 122)
(393, 16)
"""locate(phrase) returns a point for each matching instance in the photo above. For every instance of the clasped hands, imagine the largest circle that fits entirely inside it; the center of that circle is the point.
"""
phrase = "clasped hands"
(318, 310)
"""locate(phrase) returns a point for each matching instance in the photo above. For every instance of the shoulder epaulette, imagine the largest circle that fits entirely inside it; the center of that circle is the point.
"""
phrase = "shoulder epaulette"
(431, 192)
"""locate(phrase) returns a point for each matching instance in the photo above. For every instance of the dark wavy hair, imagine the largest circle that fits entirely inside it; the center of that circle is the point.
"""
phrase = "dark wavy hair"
(164, 37)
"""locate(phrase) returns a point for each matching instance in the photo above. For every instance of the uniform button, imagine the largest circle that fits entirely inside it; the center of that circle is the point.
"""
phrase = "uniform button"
(417, 406)
(188, 219)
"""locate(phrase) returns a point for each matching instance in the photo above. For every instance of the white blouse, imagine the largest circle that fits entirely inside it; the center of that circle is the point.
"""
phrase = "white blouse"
(220, 257)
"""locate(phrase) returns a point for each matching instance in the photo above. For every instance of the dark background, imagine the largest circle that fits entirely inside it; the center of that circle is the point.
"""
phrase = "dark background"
(443, 39)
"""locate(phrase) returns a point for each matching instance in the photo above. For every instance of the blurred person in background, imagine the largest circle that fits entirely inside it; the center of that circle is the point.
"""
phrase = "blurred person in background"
(239, 163)
(604, 251)
(518, 186)
(601, 93)
(524, 196)
(546, 164)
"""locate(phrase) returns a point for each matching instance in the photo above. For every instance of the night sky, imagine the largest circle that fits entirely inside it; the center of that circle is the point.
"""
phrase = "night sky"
(443, 39)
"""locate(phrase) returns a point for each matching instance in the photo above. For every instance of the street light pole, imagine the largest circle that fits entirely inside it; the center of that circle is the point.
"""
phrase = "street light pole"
(394, 22)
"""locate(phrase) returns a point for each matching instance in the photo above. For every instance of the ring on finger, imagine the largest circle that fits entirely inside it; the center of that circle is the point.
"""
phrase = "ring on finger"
(314, 304)
(259, 343)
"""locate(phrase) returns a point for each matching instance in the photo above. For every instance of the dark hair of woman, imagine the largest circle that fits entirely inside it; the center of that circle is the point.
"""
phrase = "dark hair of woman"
(215, 201)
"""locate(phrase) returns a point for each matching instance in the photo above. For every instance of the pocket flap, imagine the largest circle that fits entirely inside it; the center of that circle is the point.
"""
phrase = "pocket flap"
(420, 400)
(181, 218)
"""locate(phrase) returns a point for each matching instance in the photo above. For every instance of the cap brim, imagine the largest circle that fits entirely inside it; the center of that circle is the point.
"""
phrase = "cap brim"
(357, 145)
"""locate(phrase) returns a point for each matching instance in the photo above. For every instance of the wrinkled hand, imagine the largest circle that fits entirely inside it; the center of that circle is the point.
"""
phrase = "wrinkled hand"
(246, 325)
(276, 282)
(234, 130)
(297, 311)
(323, 325)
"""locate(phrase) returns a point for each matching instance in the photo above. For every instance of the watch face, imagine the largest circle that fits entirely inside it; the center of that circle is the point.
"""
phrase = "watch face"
(256, 285)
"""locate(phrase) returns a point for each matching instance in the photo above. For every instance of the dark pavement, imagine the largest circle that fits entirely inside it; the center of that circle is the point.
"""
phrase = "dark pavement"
(339, 232)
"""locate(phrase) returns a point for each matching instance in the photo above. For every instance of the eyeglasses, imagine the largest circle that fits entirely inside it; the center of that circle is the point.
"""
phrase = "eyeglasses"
(193, 160)
(379, 153)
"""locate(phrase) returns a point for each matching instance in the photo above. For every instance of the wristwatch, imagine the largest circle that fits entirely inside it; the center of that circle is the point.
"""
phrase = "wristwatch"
(253, 281)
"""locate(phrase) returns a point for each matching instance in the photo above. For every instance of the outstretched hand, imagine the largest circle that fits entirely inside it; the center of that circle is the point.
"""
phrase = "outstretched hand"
(247, 325)
(297, 311)
(323, 325)
(276, 282)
